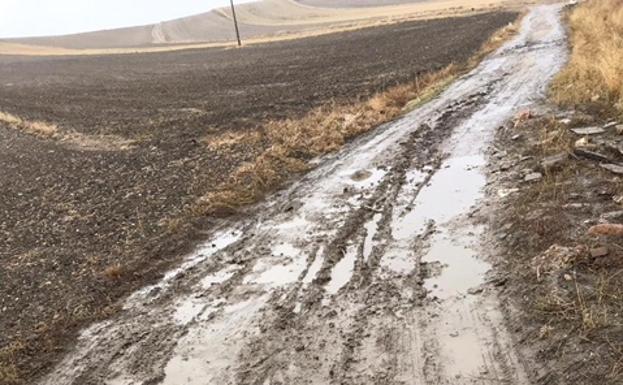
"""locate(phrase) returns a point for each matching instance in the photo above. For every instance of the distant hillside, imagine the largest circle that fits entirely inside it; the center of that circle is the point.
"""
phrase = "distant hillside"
(258, 19)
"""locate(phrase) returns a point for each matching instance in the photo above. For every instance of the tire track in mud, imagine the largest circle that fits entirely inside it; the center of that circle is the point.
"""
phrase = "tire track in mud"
(359, 273)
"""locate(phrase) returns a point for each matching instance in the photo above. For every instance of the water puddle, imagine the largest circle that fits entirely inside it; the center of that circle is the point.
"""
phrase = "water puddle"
(372, 228)
(315, 267)
(284, 267)
(450, 192)
(218, 243)
(217, 278)
(342, 271)
(206, 353)
(461, 267)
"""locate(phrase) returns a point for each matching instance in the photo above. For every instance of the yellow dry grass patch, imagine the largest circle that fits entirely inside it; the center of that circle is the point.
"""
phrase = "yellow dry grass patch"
(595, 70)
(37, 128)
(230, 139)
(8, 370)
(78, 140)
(321, 131)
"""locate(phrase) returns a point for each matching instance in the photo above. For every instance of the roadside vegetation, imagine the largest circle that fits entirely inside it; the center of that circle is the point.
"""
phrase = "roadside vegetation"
(594, 75)
(564, 259)
(292, 142)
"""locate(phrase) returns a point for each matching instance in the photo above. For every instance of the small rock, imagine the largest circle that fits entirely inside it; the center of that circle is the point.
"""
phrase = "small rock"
(567, 277)
(611, 124)
(612, 216)
(515, 137)
(583, 142)
(533, 177)
(593, 130)
(565, 121)
(598, 252)
(619, 129)
(615, 168)
(454, 334)
(592, 155)
(504, 192)
(575, 205)
(554, 161)
(618, 199)
(475, 290)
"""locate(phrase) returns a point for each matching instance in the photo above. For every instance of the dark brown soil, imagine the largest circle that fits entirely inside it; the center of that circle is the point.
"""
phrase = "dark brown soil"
(564, 287)
(81, 228)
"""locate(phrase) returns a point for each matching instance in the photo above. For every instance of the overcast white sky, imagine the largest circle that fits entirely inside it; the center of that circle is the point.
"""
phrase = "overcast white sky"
(56, 17)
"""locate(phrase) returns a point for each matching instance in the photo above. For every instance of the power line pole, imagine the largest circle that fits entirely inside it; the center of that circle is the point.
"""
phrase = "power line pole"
(233, 12)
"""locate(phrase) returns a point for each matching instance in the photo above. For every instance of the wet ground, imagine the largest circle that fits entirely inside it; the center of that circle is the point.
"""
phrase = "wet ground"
(371, 269)
(82, 227)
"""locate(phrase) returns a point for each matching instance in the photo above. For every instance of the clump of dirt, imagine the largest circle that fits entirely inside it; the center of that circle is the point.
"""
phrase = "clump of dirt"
(564, 285)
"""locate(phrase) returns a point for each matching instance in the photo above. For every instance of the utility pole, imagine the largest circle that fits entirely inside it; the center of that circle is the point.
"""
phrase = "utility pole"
(233, 12)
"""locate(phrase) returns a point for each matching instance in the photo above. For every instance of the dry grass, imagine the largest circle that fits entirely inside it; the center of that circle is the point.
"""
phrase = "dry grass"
(113, 272)
(594, 74)
(78, 140)
(37, 128)
(8, 370)
(292, 142)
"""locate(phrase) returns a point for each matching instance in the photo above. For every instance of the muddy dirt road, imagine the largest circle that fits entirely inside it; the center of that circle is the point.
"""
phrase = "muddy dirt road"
(370, 270)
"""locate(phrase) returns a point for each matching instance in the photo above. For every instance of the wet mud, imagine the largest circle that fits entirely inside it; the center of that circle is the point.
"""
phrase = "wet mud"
(370, 270)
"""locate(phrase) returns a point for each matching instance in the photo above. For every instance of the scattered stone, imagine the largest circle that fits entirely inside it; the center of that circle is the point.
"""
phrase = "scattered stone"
(613, 216)
(611, 124)
(575, 205)
(567, 277)
(615, 168)
(454, 334)
(592, 155)
(515, 137)
(504, 192)
(533, 177)
(557, 258)
(618, 199)
(619, 129)
(475, 290)
(593, 130)
(611, 229)
(598, 252)
(554, 161)
(583, 142)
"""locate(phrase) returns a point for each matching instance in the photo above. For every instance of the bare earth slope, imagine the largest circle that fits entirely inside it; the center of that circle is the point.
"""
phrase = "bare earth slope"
(371, 270)
(266, 18)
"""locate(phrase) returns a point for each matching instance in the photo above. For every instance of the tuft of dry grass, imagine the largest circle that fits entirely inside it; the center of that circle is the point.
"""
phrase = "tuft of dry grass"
(294, 141)
(52, 131)
(8, 370)
(37, 128)
(594, 74)
(113, 272)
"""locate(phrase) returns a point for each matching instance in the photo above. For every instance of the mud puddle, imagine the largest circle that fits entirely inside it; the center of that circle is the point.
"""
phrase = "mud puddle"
(359, 273)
